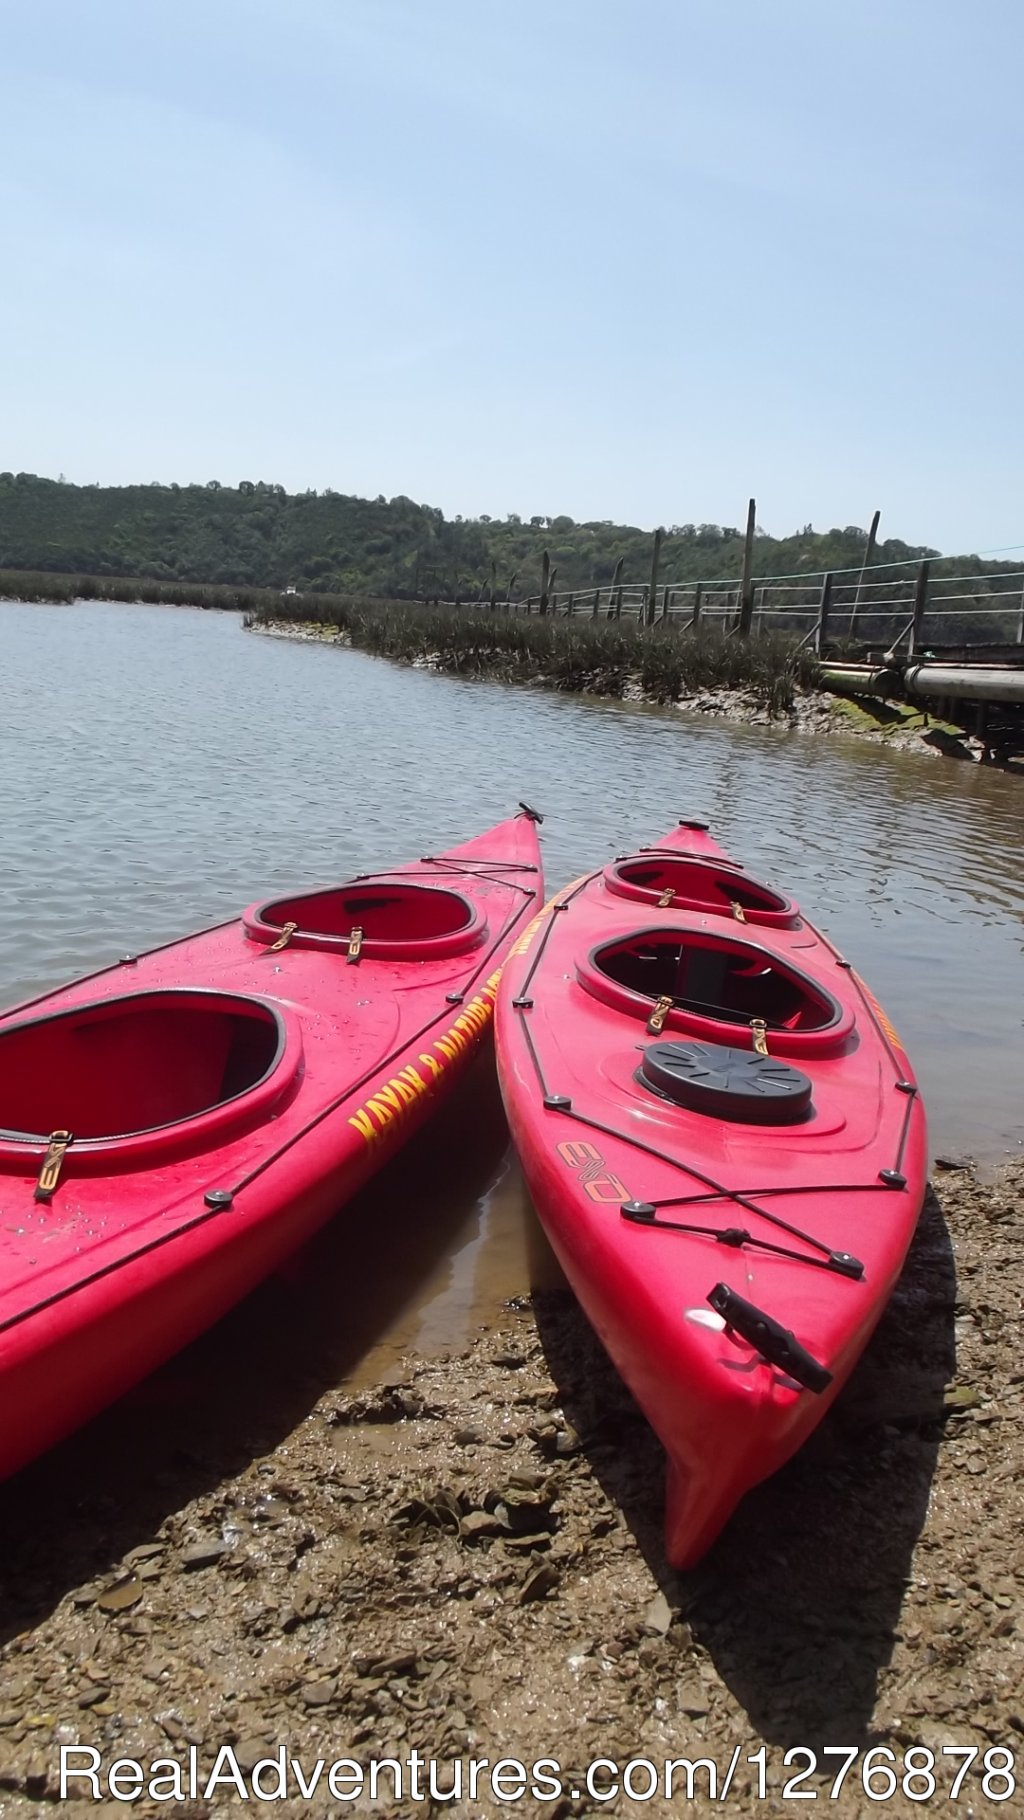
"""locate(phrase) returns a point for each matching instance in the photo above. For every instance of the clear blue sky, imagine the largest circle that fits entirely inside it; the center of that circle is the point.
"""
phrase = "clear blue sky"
(627, 259)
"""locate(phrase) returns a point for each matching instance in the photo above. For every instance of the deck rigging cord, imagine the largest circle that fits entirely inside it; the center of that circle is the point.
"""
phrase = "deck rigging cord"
(645, 1213)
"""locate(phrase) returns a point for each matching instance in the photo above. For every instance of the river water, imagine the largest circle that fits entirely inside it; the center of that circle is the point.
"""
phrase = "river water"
(160, 767)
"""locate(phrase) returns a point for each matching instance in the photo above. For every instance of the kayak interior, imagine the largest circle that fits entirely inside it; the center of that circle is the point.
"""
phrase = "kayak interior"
(123, 1066)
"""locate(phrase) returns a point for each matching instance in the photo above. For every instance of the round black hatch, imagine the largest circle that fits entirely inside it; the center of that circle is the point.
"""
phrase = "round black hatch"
(730, 1083)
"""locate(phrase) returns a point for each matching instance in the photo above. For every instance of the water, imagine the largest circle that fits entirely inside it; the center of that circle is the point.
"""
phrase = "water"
(160, 767)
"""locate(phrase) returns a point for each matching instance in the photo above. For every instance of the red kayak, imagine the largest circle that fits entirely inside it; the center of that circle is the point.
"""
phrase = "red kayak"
(173, 1127)
(722, 1134)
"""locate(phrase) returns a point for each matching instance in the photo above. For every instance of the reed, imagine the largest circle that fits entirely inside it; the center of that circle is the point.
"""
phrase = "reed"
(268, 603)
(584, 656)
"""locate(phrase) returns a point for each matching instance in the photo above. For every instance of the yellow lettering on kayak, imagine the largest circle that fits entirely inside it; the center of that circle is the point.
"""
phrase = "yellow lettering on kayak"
(385, 1110)
(526, 940)
(880, 1014)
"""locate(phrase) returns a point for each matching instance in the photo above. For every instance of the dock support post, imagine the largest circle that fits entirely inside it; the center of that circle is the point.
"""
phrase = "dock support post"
(652, 595)
(824, 603)
(746, 597)
(868, 558)
(920, 608)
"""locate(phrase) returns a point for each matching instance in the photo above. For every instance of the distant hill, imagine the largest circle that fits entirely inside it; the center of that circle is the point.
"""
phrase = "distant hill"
(257, 535)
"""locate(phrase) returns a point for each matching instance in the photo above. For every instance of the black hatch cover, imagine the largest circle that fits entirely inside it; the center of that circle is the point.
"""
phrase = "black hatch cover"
(730, 1083)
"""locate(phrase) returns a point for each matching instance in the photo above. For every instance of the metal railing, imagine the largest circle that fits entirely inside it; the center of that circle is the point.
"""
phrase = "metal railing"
(910, 612)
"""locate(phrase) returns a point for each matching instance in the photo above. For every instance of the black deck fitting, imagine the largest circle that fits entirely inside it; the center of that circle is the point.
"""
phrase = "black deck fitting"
(846, 1264)
(218, 1200)
(893, 1178)
(774, 1342)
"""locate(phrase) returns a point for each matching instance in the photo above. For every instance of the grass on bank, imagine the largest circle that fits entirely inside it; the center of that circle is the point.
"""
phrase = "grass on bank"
(584, 656)
(269, 603)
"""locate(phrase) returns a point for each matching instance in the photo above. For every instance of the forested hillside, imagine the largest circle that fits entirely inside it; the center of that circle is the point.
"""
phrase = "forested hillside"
(257, 535)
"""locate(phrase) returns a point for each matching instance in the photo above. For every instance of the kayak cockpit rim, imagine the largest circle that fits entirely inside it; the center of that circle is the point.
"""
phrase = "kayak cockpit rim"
(143, 1072)
(693, 882)
(383, 919)
(715, 985)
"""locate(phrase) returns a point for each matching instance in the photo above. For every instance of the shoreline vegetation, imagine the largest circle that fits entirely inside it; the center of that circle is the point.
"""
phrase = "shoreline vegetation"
(597, 657)
(767, 679)
(614, 658)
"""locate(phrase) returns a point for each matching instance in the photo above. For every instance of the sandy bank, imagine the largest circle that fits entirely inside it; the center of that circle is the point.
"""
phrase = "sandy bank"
(466, 1559)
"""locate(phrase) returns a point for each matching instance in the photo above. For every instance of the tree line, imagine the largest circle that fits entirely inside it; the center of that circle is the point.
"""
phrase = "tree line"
(257, 535)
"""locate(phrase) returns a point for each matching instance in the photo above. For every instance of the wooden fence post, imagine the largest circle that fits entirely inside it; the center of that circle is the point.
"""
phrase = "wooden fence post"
(697, 592)
(869, 552)
(648, 617)
(920, 607)
(824, 603)
(545, 579)
(746, 599)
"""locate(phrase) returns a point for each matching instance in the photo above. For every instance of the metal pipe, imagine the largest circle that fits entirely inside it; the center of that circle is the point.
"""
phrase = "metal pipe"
(975, 682)
(858, 679)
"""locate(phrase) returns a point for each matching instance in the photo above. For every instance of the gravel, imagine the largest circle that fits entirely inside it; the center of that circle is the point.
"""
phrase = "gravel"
(467, 1560)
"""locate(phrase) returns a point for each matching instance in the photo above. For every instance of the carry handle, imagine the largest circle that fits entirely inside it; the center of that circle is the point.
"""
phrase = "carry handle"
(773, 1341)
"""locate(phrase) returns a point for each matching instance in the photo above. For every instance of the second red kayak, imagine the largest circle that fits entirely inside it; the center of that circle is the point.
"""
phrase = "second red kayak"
(724, 1139)
(173, 1127)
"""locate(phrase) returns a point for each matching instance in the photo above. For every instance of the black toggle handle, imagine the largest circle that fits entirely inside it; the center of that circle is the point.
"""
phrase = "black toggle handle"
(773, 1341)
(533, 815)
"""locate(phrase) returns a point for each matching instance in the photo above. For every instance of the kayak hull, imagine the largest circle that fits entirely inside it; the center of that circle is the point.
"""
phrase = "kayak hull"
(659, 1210)
(225, 1096)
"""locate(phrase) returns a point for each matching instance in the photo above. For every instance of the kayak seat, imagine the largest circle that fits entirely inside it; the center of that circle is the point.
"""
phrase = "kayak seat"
(715, 985)
(699, 884)
(395, 920)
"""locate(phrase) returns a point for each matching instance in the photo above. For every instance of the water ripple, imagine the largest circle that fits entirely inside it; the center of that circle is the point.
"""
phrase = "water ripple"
(160, 767)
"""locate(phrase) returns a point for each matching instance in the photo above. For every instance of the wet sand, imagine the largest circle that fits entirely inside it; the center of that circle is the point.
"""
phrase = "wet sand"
(301, 1532)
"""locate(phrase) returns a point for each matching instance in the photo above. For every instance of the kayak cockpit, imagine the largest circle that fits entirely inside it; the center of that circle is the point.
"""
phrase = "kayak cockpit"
(126, 1073)
(380, 919)
(677, 882)
(714, 986)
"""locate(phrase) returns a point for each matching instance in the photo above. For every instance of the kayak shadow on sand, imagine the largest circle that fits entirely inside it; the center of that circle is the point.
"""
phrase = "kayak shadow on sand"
(236, 1392)
(798, 1602)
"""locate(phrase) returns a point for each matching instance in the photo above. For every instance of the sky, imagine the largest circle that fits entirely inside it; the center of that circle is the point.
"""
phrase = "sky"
(623, 259)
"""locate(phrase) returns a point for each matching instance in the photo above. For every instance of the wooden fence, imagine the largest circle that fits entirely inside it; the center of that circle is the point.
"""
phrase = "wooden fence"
(906, 612)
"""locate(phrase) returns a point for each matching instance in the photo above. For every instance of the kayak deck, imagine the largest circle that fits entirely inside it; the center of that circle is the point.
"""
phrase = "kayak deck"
(712, 1113)
(173, 1126)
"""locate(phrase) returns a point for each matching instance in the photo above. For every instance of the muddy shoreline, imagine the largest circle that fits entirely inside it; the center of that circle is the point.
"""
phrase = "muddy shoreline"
(464, 1558)
(892, 724)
